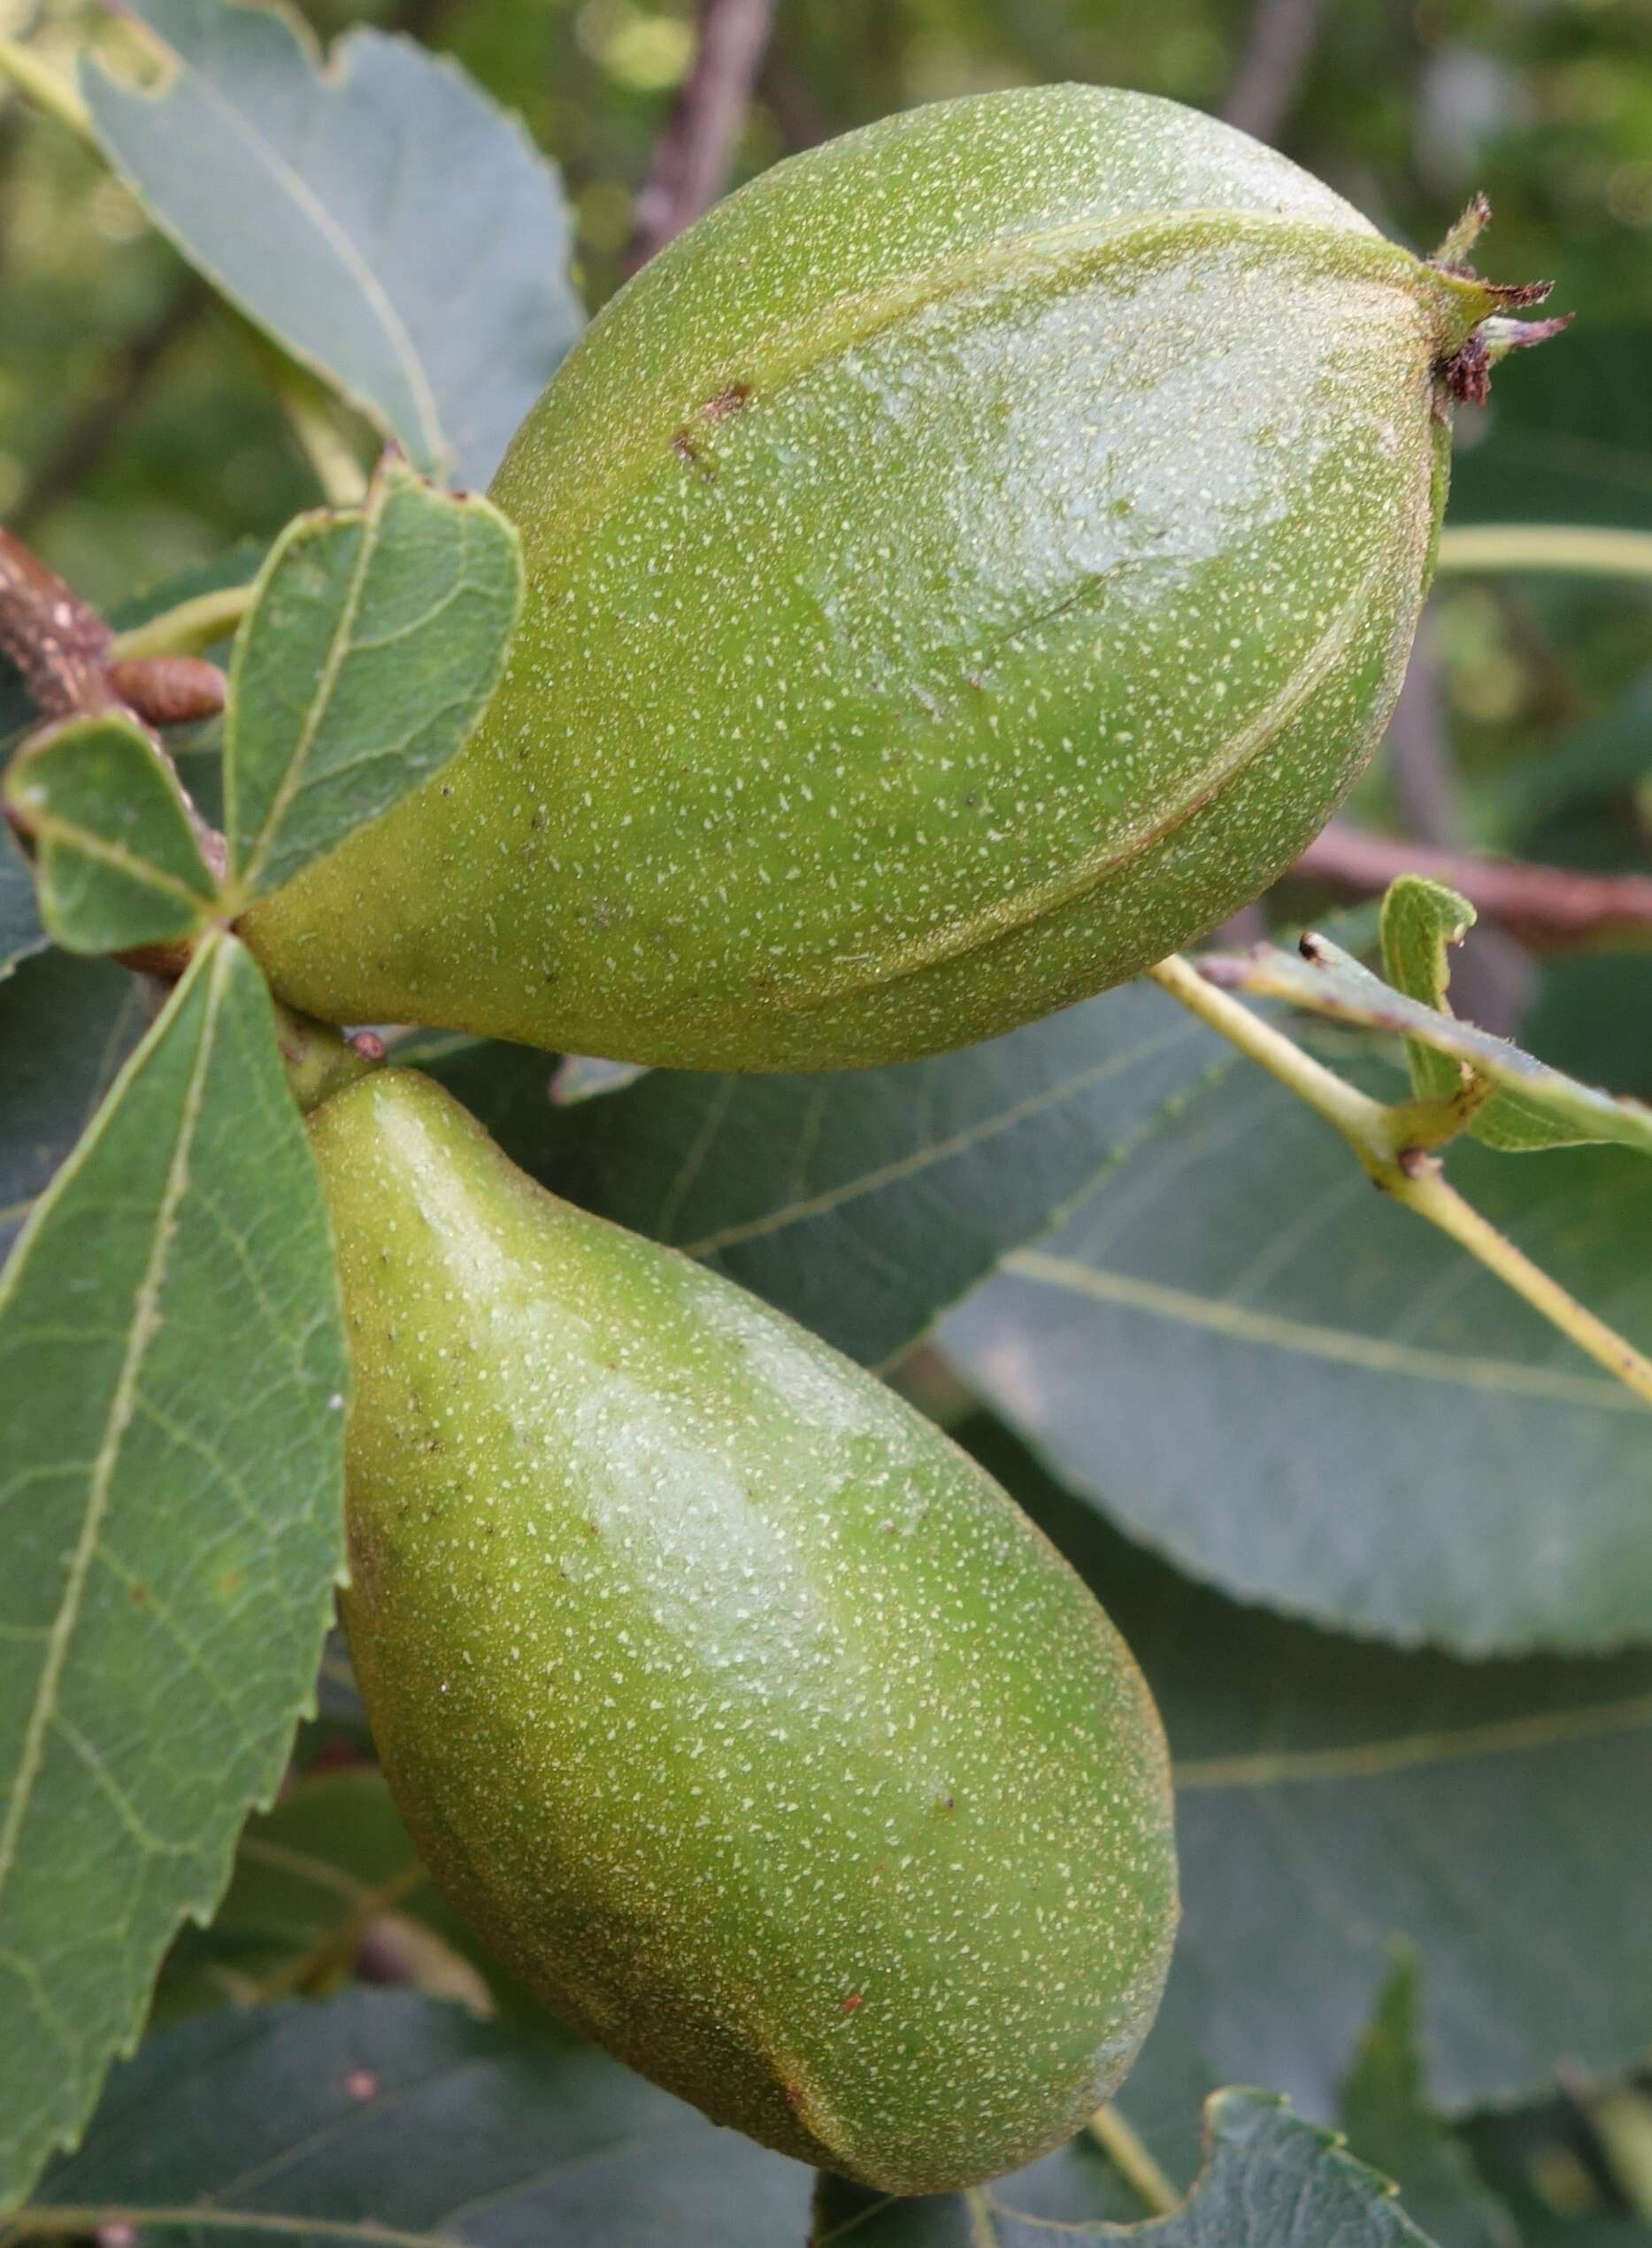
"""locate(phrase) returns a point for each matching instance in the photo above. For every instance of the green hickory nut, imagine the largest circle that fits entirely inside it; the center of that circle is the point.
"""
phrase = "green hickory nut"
(748, 1721)
(964, 568)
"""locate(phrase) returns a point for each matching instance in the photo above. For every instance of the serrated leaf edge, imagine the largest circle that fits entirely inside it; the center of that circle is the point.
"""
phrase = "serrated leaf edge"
(392, 479)
(330, 71)
(216, 959)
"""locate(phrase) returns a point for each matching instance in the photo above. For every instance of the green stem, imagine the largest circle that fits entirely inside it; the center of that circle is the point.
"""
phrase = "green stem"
(187, 629)
(1566, 548)
(48, 89)
(1382, 1137)
(1363, 1122)
(340, 475)
(1139, 2172)
(320, 1059)
(308, 407)
(1422, 1188)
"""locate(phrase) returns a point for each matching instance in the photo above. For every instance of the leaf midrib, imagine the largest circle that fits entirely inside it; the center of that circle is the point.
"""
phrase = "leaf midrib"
(829, 1200)
(1370, 1353)
(370, 523)
(1413, 1751)
(318, 88)
(146, 1324)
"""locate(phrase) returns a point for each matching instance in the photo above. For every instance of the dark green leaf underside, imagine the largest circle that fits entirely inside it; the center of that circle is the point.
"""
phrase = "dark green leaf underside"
(1334, 1795)
(863, 1202)
(1303, 1394)
(20, 932)
(65, 1027)
(388, 2116)
(1270, 2181)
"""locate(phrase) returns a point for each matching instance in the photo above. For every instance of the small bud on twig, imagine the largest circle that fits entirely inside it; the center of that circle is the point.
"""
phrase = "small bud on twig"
(169, 690)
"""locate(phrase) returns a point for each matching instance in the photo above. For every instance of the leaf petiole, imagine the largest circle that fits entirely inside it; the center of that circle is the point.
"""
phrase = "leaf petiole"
(1567, 548)
(1122, 2148)
(50, 90)
(193, 624)
(1382, 1137)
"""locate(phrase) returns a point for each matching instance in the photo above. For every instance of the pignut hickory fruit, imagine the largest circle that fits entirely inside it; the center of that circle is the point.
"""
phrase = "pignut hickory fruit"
(746, 1717)
(961, 569)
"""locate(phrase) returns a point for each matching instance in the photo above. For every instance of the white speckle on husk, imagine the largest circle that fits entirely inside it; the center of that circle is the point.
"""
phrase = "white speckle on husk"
(745, 1716)
(962, 570)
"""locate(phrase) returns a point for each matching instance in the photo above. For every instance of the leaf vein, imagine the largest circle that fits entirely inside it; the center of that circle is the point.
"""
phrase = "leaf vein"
(145, 1325)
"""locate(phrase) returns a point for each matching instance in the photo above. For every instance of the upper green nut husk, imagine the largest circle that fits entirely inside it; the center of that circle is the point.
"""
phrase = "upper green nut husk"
(964, 568)
(749, 1720)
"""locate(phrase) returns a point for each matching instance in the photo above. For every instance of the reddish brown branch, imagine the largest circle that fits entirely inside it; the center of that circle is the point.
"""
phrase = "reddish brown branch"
(1552, 906)
(60, 646)
(695, 154)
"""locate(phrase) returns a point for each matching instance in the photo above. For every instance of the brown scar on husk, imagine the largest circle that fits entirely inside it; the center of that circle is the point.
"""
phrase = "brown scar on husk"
(727, 402)
(687, 451)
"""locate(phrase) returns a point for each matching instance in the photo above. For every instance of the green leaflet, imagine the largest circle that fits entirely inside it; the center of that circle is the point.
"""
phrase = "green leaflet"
(172, 1541)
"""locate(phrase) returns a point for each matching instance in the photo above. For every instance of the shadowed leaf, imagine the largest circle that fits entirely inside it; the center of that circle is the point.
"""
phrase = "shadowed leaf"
(1332, 1796)
(384, 2116)
(65, 1027)
(863, 1202)
(1263, 1367)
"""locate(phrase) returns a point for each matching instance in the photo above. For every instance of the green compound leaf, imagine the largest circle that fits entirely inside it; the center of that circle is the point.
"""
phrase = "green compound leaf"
(863, 1202)
(381, 2116)
(1545, 1107)
(1269, 2181)
(374, 639)
(1265, 1370)
(118, 861)
(377, 216)
(172, 1357)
